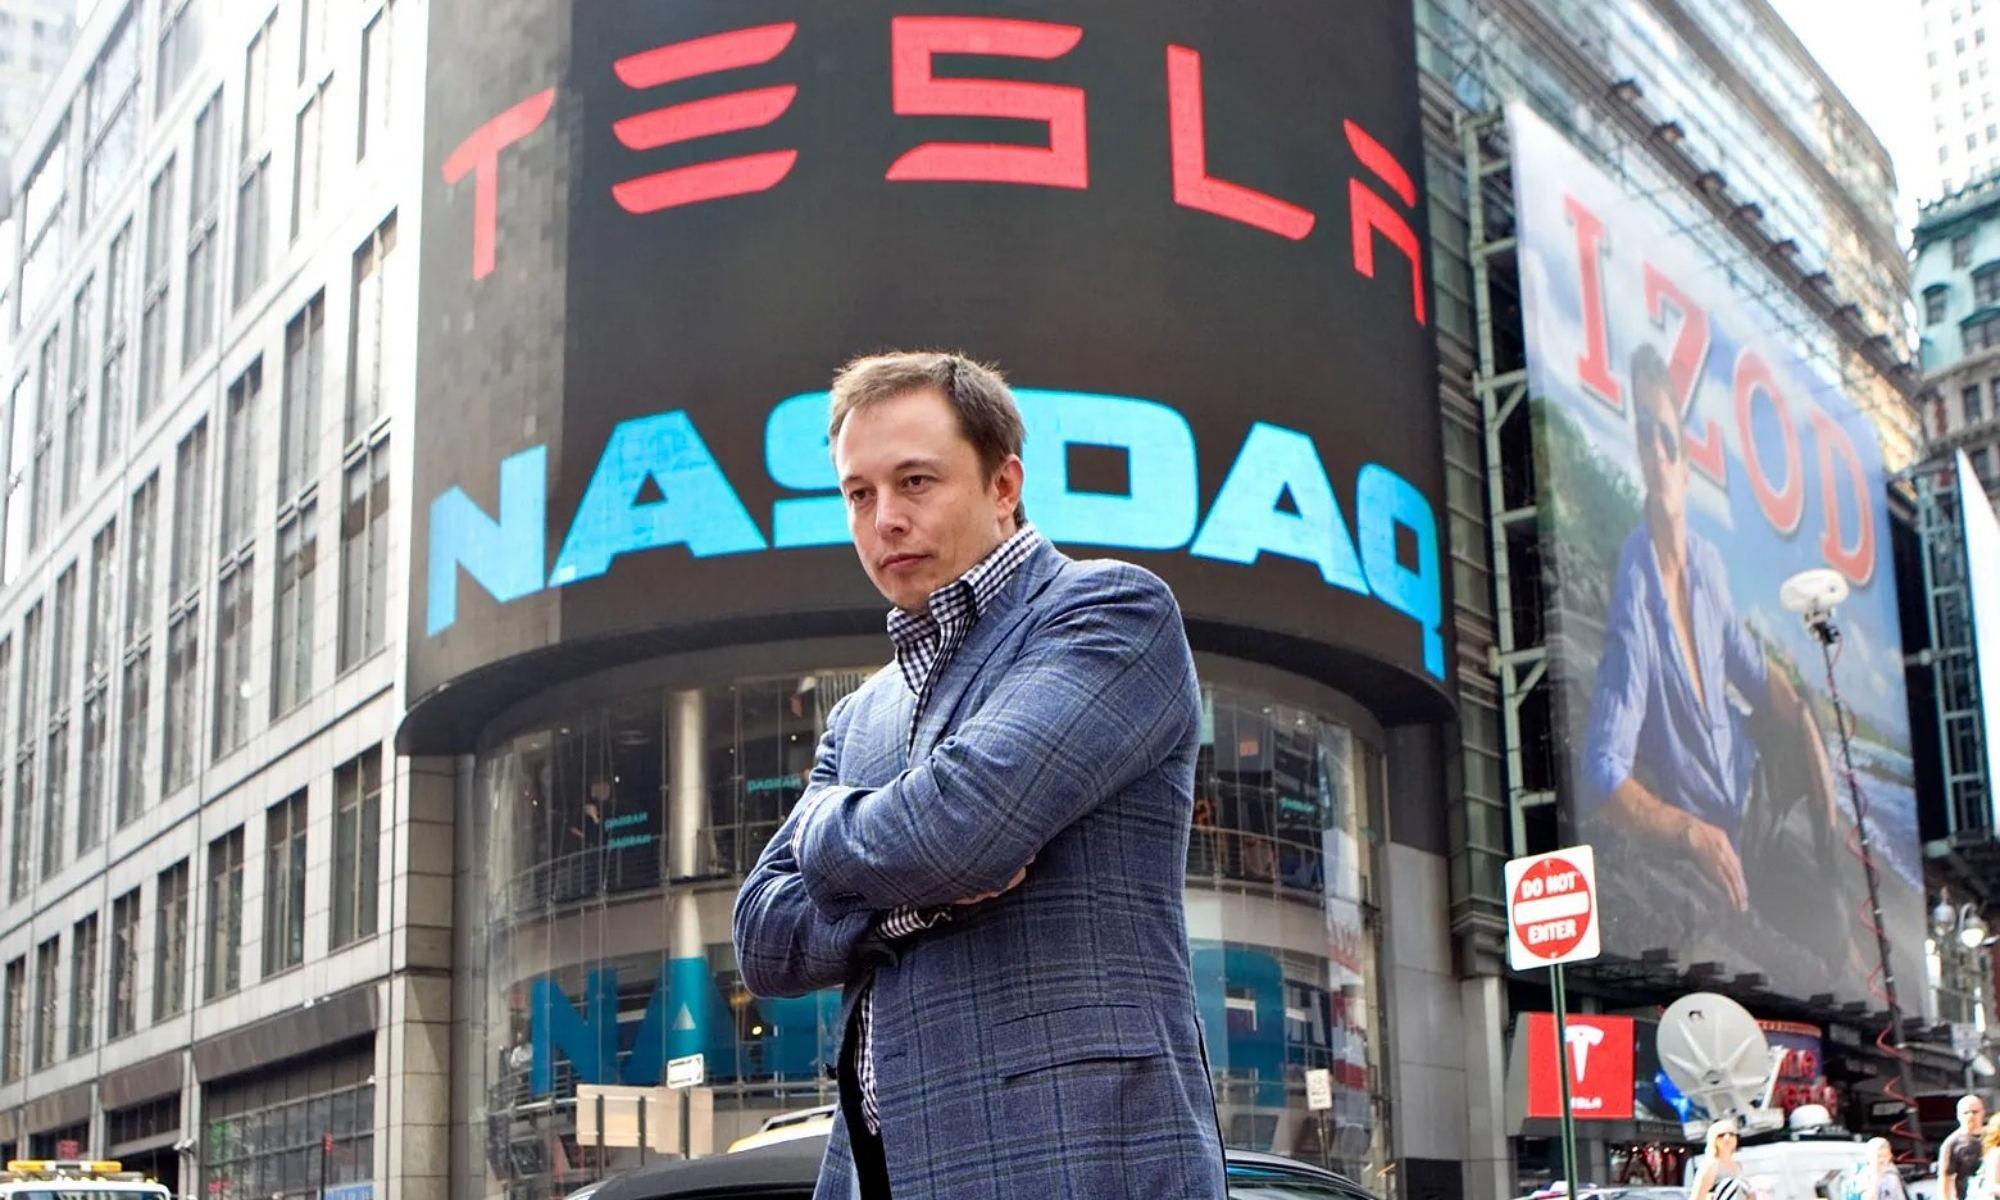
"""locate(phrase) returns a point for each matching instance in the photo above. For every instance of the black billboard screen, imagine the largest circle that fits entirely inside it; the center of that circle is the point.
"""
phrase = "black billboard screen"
(1192, 235)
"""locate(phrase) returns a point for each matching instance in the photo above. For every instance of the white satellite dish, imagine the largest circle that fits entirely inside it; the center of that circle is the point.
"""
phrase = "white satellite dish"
(1813, 593)
(1712, 1049)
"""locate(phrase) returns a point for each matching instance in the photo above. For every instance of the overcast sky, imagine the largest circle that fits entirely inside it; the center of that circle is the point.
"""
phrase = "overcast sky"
(1873, 49)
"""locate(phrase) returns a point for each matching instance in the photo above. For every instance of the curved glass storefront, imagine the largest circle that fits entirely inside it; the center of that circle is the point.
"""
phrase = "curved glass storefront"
(610, 842)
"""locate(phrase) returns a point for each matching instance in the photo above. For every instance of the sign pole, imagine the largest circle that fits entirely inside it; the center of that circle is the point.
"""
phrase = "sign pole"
(1560, 998)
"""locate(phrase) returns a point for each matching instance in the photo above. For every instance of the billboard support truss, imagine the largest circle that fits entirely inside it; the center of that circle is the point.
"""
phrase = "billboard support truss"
(1519, 658)
(1952, 657)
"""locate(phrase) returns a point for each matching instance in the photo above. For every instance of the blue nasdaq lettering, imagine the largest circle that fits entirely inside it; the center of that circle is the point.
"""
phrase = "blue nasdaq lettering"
(700, 509)
(688, 1012)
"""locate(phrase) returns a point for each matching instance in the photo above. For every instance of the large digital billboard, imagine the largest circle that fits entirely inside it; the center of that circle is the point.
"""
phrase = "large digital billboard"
(1982, 578)
(1690, 462)
(1192, 235)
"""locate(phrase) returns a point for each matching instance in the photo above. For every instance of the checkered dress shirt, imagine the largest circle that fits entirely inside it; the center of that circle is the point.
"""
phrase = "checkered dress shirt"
(925, 642)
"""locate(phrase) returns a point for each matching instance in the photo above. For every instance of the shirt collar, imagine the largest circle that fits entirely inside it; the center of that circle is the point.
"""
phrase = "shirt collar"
(984, 582)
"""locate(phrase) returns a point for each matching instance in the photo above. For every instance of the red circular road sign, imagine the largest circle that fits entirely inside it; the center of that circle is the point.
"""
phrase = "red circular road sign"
(1551, 908)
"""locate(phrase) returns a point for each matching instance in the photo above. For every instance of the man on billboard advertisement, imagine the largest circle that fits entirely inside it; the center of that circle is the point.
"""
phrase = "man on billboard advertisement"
(1691, 455)
(1722, 804)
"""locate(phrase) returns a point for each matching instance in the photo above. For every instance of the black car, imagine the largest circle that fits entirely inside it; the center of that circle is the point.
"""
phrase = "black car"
(786, 1171)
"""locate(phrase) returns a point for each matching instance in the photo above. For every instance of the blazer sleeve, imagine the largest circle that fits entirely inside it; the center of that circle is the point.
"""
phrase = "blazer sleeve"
(1102, 692)
(785, 944)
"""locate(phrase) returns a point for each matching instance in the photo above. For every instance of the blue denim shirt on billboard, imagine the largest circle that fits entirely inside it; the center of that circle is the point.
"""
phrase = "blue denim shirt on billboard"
(1697, 754)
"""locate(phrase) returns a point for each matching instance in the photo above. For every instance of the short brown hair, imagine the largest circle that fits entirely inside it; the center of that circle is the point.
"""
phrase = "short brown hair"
(977, 392)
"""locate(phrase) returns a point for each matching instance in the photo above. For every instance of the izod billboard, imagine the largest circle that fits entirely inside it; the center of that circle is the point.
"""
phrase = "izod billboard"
(1192, 235)
(1690, 459)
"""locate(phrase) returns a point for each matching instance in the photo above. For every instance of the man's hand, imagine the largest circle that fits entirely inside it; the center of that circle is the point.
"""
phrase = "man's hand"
(1711, 851)
(1011, 885)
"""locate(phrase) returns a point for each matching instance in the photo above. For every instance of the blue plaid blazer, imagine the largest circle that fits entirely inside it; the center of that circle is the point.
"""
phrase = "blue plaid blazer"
(1041, 1044)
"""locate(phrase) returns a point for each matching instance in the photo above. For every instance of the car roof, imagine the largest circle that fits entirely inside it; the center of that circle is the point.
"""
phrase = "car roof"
(797, 1163)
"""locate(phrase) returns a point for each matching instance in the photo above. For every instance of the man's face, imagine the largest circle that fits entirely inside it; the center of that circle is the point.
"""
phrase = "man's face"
(1972, 1114)
(1662, 458)
(919, 504)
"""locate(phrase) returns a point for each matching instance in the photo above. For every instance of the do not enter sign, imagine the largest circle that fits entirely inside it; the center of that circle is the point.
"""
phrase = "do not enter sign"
(1552, 909)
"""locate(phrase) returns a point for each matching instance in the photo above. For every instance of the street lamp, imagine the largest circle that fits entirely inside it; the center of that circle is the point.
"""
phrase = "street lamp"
(1814, 594)
(1965, 919)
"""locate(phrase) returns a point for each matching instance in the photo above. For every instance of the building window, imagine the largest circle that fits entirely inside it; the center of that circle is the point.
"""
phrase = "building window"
(253, 200)
(357, 837)
(16, 1019)
(101, 621)
(21, 847)
(1986, 288)
(233, 604)
(190, 508)
(45, 242)
(41, 473)
(48, 965)
(292, 617)
(111, 117)
(157, 288)
(285, 884)
(83, 985)
(1981, 464)
(312, 34)
(1982, 334)
(183, 614)
(94, 786)
(377, 61)
(170, 935)
(6, 679)
(55, 779)
(253, 227)
(82, 313)
(1972, 404)
(370, 338)
(239, 460)
(308, 171)
(139, 556)
(204, 216)
(1961, 249)
(142, 532)
(136, 722)
(305, 371)
(364, 555)
(62, 628)
(291, 1135)
(180, 48)
(117, 299)
(183, 666)
(222, 973)
(124, 1015)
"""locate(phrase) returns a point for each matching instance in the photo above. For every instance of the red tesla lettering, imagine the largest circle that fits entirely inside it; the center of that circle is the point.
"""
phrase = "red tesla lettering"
(1194, 187)
(1691, 344)
(1593, 368)
(704, 118)
(480, 155)
(1370, 214)
(1857, 562)
(1782, 507)
(916, 92)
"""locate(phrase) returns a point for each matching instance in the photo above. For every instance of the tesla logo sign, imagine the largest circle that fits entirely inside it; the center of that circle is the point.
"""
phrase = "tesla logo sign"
(1381, 197)
(1601, 1052)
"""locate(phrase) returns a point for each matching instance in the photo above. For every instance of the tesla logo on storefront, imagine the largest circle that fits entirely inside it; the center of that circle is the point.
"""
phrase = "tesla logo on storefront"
(1601, 1054)
(916, 44)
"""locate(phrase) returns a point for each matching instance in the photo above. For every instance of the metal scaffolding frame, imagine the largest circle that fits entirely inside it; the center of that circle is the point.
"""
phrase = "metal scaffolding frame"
(1520, 657)
(1952, 657)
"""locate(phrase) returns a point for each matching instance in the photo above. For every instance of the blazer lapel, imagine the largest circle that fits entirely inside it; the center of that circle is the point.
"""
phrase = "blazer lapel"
(1010, 608)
